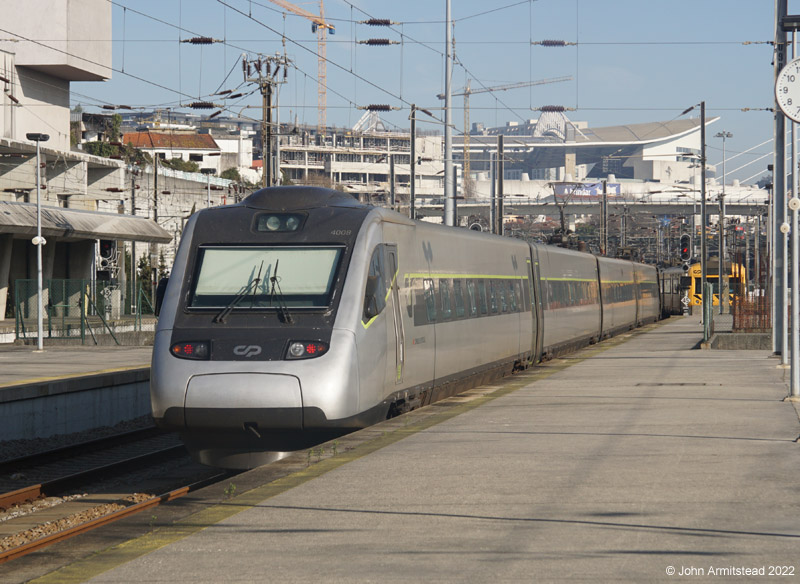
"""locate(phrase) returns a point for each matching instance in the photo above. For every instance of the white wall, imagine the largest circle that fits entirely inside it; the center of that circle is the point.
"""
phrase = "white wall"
(72, 37)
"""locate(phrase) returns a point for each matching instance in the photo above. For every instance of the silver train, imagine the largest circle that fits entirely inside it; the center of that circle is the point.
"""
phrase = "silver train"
(301, 314)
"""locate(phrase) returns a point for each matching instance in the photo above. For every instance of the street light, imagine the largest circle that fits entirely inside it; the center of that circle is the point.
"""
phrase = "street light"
(723, 276)
(38, 241)
(208, 172)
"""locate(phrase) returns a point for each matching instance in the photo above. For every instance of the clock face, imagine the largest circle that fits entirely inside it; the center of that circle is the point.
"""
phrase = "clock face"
(787, 90)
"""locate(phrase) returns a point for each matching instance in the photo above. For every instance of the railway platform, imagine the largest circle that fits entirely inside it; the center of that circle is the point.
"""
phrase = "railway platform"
(23, 365)
(639, 459)
(68, 389)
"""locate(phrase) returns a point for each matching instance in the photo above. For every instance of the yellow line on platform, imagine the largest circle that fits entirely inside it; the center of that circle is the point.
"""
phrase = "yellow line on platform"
(33, 380)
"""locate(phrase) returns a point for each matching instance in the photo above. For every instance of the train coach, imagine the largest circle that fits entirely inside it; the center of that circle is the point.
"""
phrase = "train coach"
(301, 314)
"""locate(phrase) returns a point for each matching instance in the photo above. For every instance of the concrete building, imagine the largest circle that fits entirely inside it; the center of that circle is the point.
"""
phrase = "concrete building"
(554, 148)
(360, 162)
(51, 45)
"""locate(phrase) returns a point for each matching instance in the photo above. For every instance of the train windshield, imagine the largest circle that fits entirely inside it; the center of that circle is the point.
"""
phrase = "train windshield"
(265, 277)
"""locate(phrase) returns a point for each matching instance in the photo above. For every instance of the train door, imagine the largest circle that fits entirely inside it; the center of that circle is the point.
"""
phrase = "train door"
(396, 331)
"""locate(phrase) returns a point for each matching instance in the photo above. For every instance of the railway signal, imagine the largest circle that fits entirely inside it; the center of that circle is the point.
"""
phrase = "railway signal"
(108, 248)
(686, 247)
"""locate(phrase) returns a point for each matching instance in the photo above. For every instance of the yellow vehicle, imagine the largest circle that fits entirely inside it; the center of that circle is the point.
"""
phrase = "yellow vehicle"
(737, 282)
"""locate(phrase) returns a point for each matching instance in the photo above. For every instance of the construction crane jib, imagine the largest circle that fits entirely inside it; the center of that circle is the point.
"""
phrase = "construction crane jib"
(321, 27)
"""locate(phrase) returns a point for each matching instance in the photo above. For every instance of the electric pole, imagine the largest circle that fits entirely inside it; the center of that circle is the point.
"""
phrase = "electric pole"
(268, 72)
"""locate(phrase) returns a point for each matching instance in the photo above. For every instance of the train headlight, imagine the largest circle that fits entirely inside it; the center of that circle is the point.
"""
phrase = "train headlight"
(277, 222)
(306, 349)
(191, 350)
(292, 222)
(273, 223)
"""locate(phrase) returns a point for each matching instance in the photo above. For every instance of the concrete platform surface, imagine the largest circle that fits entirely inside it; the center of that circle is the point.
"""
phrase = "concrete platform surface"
(23, 365)
(634, 461)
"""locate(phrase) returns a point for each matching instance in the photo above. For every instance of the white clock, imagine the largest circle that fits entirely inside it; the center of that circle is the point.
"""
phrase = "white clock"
(787, 90)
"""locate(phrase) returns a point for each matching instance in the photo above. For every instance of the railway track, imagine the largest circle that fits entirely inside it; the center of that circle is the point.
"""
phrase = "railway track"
(53, 477)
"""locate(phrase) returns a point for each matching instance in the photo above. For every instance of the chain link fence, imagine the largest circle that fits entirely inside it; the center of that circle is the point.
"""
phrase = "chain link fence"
(92, 311)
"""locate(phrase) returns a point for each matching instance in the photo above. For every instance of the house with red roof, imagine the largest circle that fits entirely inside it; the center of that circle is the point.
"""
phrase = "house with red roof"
(199, 148)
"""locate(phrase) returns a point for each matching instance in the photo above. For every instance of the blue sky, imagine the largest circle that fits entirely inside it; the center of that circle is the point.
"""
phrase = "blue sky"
(634, 61)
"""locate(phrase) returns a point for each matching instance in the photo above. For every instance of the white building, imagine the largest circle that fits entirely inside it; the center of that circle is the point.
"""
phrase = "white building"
(189, 146)
(44, 52)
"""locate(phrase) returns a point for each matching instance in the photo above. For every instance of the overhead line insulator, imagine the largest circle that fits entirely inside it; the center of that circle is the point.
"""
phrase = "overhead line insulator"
(378, 22)
(201, 105)
(552, 43)
(378, 42)
(200, 41)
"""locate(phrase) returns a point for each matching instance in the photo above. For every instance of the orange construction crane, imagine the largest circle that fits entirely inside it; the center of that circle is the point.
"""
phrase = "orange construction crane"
(321, 27)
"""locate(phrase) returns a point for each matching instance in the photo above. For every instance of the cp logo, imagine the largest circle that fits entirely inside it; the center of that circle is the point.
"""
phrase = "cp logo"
(247, 350)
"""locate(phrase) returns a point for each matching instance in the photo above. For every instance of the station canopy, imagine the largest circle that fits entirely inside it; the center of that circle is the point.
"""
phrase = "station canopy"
(19, 219)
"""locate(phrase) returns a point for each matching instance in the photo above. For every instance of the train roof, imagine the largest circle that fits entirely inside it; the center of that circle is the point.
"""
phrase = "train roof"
(299, 198)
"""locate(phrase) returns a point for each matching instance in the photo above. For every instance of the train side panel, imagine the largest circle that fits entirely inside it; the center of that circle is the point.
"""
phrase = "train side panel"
(649, 303)
(618, 293)
(571, 298)
(452, 304)
(482, 315)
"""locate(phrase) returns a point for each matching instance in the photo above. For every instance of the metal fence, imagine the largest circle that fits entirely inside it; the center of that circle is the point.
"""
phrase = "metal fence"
(752, 310)
(81, 309)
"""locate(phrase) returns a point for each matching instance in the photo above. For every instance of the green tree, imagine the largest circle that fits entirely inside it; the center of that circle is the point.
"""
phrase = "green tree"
(116, 124)
(180, 164)
(145, 275)
(74, 134)
(231, 173)
(103, 149)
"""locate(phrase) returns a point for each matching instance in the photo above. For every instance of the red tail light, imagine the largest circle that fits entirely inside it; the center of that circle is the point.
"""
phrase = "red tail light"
(198, 350)
(306, 349)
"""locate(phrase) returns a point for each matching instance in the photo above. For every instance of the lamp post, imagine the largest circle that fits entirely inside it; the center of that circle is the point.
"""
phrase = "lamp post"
(723, 275)
(208, 172)
(38, 241)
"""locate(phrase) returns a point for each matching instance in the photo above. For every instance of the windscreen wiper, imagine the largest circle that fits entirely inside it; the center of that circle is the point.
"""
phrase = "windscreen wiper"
(238, 298)
(283, 310)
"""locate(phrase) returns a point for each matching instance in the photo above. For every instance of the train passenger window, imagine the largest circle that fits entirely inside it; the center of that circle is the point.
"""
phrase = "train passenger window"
(458, 296)
(444, 294)
(492, 297)
(512, 295)
(375, 293)
(473, 305)
(482, 296)
(429, 291)
(525, 288)
(501, 292)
